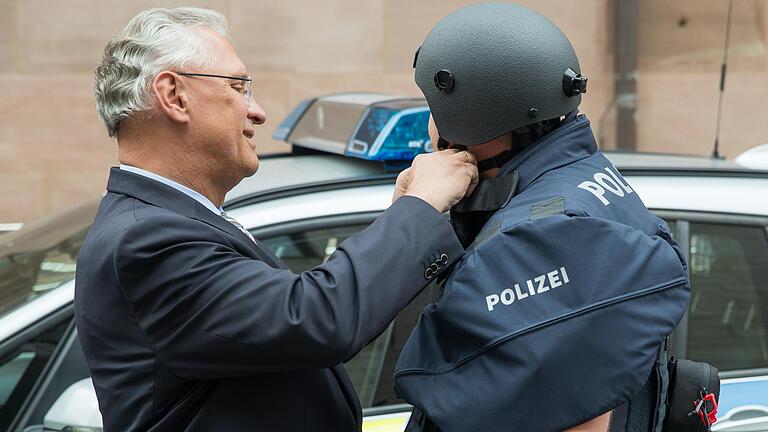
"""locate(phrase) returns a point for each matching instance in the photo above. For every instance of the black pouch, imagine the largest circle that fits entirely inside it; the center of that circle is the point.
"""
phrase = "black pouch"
(693, 394)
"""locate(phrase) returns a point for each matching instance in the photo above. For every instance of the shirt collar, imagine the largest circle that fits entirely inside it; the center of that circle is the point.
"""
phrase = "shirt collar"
(197, 196)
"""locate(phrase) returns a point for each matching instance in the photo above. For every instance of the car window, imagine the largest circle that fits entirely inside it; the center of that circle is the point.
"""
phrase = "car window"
(41, 256)
(401, 329)
(728, 315)
(21, 369)
(302, 250)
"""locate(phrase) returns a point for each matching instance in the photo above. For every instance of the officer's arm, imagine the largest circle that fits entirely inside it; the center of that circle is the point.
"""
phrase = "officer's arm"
(208, 311)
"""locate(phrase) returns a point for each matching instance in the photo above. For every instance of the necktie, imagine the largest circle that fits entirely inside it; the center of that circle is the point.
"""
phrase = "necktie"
(234, 222)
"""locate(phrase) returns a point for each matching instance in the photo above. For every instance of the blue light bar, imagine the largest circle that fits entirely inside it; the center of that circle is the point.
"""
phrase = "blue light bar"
(386, 135)
(388, 130)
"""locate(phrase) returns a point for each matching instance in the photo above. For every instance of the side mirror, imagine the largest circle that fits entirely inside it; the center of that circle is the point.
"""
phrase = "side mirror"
(77, 409)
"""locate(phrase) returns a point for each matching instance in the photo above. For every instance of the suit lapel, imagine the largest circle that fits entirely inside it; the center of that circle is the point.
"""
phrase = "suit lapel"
(161, 195)
(204, 215)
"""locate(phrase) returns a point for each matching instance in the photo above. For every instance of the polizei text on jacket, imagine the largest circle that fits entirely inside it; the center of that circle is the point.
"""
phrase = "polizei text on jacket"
(532, 287)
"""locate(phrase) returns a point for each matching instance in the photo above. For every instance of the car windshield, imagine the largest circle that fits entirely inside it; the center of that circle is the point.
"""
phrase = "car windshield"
(41, 256)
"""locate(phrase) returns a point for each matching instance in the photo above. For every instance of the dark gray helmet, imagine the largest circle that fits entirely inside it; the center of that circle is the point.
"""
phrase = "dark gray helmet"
(491, 68)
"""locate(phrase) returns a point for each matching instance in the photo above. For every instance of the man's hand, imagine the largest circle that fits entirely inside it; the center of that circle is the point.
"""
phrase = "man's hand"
(441, 178)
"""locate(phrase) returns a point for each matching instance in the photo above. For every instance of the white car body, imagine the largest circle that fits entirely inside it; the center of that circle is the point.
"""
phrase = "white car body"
(294, 189)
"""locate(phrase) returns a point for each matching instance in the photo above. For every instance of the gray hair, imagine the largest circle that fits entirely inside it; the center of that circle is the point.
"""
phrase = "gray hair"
(153, 41)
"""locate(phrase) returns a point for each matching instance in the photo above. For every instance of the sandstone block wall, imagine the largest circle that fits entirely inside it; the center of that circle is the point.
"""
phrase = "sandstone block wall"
(54, 152)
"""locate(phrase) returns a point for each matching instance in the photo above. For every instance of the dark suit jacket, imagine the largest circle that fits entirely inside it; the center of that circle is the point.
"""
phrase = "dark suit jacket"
(187, 325)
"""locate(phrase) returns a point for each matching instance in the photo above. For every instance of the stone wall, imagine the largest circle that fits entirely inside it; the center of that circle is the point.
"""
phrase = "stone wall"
(54, 152)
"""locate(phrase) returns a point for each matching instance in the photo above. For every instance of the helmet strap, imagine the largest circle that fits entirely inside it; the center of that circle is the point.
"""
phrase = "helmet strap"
(521, 138)
(497, 161)
(442, 144)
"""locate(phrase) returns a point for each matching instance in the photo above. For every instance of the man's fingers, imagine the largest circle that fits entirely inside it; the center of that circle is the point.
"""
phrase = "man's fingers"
(474, 179)
(471, 159)
(470, 164)
(404, 174)
(401, 184)
(438, 177)
(463, 155)
(404, 179)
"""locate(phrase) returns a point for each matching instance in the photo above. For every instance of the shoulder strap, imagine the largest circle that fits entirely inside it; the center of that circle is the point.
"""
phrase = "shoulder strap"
(662, 387)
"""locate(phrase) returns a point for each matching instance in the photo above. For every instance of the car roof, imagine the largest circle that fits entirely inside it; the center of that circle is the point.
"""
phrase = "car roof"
(674, 162)
(285, 171)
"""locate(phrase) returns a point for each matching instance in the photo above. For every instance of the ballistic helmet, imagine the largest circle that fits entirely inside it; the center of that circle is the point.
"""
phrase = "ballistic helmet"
(489, 69)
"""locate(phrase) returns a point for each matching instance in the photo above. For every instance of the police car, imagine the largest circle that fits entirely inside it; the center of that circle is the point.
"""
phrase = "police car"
(348, 149)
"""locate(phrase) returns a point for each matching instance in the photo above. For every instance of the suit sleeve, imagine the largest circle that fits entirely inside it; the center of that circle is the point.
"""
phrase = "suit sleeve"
(208, 311)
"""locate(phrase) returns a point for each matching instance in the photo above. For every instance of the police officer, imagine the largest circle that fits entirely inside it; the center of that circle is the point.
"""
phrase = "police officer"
(555, 315)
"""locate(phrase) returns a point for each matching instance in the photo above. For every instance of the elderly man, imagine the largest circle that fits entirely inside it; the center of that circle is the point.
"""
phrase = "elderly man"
(187, 322)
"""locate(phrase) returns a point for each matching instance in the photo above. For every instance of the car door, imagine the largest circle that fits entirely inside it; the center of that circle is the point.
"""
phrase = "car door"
(25, 362)
(727, 321)
(37, 268)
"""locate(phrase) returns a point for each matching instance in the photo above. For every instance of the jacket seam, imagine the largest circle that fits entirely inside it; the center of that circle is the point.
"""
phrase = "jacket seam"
(138, 323)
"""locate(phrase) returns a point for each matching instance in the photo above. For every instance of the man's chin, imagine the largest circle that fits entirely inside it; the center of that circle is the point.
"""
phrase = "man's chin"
(251, 168)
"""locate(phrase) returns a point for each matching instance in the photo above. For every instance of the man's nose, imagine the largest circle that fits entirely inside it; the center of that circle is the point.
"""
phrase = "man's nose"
(256, 113)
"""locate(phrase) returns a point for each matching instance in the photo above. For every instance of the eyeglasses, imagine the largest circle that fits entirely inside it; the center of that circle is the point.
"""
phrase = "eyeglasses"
(247, 80)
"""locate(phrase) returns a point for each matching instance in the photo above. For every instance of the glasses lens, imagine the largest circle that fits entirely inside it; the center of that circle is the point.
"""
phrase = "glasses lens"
(249, 92)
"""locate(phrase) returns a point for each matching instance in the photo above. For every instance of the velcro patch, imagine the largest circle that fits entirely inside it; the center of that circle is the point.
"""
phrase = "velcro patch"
(550, 207)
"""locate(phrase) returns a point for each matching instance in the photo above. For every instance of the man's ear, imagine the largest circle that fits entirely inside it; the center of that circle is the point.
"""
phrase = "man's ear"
(171, 96)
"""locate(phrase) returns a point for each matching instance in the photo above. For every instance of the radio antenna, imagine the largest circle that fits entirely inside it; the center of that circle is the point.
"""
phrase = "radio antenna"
(723, 70)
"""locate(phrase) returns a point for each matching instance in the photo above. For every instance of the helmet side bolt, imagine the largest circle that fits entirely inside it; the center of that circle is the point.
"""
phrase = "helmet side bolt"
(444, 81)
(533, 112)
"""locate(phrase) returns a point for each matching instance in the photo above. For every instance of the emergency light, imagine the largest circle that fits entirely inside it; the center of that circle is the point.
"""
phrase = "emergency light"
(362, 125)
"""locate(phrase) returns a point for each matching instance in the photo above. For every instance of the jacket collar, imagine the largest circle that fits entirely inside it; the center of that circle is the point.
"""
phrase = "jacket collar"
(569, 143)
(164, 196)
